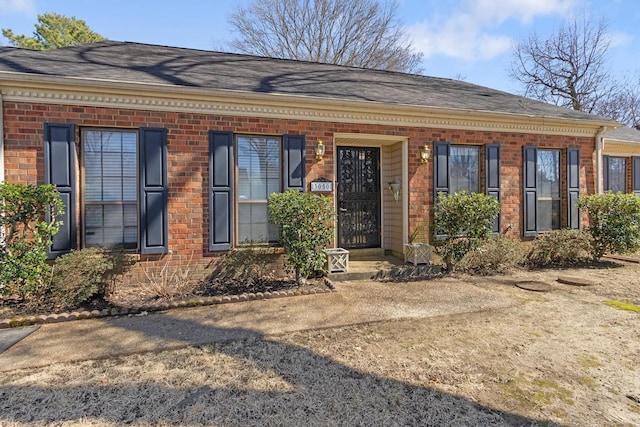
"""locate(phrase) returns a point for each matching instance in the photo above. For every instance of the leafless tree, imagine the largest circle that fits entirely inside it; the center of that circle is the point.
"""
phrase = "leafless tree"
(359, 33)
(624, 104)
(569, 68)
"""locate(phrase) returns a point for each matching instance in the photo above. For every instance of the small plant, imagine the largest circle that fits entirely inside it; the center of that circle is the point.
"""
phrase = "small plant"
(306, 223)
(28, 218)
(81, 274)
(495, 256)
(418, 233)
(559, 248)
(614, 222)
(463, 222)
(170, 280)
(623, 305)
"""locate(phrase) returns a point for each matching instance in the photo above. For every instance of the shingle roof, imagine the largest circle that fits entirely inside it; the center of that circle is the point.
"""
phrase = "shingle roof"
(624, 133)
(152, 64)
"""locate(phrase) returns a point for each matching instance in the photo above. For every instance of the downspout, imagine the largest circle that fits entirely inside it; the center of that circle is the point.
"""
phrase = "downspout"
(599, 150)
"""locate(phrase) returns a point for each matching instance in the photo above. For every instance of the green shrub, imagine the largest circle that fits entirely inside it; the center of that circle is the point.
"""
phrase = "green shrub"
(81, 274)
(465, 220)
(559, 248)
(27, 216)
(306, 228)
(495, 256)
(614, 222)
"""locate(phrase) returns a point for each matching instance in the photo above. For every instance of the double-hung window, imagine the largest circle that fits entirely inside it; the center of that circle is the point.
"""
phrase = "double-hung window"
(458, 167)
(243, 171)
(123, 187)
(549, 199)
(259, 173)
(543, 184)
(110, 188)
(615, 174)
(464, 170)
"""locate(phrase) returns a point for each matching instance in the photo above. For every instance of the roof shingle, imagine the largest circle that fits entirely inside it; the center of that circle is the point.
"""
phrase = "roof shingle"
(152, 64)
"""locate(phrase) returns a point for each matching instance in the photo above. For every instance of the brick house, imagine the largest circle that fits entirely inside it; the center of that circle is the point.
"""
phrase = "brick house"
(621, 160)
(160, 149)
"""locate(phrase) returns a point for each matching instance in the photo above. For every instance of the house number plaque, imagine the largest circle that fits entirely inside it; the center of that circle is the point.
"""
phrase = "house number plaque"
(321, 185)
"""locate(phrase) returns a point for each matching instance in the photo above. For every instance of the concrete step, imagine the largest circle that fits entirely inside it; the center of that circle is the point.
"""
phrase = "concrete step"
(383, 267)
(365, 254)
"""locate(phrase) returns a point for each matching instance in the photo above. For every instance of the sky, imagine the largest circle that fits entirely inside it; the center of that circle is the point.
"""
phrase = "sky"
(464, 39)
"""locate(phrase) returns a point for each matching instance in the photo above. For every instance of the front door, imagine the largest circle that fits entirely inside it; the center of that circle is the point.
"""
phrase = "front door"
(358, 197)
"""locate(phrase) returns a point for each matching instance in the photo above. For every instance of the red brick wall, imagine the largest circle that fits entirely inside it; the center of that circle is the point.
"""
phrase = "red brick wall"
(188, 157)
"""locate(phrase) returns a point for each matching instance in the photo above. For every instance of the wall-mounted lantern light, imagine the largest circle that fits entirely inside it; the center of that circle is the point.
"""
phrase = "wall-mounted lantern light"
(394, 187)
(319, 150)
(424, 154)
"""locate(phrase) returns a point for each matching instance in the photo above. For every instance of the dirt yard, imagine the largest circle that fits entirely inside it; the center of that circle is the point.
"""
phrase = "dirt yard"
(569, 356)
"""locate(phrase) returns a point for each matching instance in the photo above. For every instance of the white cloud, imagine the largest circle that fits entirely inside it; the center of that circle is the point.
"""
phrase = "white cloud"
(618, 38)
(472, 31)
(25, 7)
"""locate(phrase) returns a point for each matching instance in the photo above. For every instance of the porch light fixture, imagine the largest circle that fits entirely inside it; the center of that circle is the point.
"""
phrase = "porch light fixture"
(424, 154)
(319, 150)
(394, 187)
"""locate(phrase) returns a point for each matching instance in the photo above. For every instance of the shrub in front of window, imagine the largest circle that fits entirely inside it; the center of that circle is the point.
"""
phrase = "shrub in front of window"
(614, 222)
(463, 222)
(80, 274)
(495, 256)
(28, 219)
(306, 228)
(559, 248)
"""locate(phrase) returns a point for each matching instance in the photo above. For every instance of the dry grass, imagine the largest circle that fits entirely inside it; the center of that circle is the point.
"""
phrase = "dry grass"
(560, 357)
(253, 382)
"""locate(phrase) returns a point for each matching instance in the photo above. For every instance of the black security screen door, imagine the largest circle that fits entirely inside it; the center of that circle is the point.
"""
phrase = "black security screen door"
(358, 197)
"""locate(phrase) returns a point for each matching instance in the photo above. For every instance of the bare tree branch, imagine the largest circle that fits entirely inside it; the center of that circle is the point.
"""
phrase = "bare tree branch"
(568, 68)
(359, 33)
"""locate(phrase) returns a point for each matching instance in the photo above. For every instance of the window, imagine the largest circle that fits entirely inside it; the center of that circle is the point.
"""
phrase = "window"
(463, 169)
(124, 187)
(457, 168)
(543, 187)
(615, 174)
(548, 183)
(259, 173)
(243, 171)
(110, 188)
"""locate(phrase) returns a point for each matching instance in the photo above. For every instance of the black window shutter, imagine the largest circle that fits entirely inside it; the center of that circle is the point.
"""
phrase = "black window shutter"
(220, 190)
(60, 170)
(440, 168)
(635, 175)
(573, 187)
(440, 175)
(492, 172)
(605, 173)
(530, 193)
(294, 162)
(154, 196)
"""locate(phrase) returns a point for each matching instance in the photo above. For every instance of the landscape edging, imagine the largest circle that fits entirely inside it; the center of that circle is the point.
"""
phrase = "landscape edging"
(133, 311)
